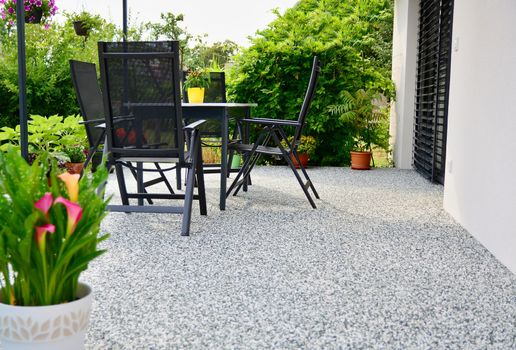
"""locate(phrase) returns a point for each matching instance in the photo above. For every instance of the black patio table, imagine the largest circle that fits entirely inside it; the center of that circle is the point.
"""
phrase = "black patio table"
(218, 117)
(221, 114)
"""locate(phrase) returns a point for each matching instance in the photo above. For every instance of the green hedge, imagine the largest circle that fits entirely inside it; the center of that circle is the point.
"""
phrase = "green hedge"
(49, 85)
(352, 39)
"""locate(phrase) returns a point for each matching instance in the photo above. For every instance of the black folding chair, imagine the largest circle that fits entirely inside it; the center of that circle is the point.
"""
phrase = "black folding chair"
(91, 104)
(141, 99)
(269, 142)
(89, 96)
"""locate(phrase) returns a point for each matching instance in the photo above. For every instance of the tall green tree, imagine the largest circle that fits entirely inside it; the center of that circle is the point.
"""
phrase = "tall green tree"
(49, 84)
(353, 39)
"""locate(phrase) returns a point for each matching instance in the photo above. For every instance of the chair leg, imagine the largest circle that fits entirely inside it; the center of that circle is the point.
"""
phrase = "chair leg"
(303, 170)
(187, 212)
(190, 184)
(253, 157)
(300, 180)
(178, 176)
(135, 175)
(164, 178)
(200, 183)
(121, 183)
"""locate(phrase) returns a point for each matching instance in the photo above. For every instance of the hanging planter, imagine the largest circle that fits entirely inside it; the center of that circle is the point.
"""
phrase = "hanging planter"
(34, 16)
(36, 11)
(84, 22)
(80, 28)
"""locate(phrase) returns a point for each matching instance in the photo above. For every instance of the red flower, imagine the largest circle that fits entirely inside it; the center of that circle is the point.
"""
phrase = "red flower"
(44, 203)
(41, 233)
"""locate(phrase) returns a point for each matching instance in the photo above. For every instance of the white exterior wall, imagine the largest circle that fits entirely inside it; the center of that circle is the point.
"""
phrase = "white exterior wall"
(404, 57)
(480, 184)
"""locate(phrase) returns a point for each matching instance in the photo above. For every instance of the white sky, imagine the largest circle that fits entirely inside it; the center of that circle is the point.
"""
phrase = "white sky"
(220, 19)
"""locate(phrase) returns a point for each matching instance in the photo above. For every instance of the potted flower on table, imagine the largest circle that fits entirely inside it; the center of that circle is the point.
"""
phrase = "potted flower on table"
(49, 232)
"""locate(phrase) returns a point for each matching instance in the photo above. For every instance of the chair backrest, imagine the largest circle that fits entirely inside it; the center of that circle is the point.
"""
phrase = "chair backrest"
(309, 96)
(89, 96)
(141, 99)
(216, 91)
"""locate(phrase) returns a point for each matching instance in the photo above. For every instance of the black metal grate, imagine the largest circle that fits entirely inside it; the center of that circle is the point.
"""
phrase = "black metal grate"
(432, 88)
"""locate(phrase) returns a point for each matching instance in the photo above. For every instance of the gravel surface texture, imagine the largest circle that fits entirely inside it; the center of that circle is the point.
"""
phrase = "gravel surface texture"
(379, 265)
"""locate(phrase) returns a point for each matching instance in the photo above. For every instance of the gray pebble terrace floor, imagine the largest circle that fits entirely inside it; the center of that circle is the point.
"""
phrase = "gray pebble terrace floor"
(379, 265)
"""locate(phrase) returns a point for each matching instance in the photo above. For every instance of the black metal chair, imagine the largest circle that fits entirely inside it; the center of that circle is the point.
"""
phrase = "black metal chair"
(89, 96)
(271, 139)
(141, 98)
(91, 104)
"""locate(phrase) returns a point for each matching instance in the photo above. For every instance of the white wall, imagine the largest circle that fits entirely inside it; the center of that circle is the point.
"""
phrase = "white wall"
(480, 184)
(404, 56)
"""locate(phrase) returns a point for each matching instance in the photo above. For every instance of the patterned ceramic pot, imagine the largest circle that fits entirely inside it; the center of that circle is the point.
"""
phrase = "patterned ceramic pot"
(53, 327)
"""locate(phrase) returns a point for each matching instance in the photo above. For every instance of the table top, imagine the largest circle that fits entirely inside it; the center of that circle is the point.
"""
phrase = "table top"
(219, 104)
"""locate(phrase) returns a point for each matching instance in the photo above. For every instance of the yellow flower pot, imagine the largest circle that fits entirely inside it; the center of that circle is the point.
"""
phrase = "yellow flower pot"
(196, 95)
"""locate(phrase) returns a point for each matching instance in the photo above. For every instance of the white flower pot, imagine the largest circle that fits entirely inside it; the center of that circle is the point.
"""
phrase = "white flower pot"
(53, 327)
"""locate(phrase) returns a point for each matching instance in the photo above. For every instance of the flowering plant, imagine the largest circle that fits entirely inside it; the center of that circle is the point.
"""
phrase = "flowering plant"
(49, 229)
(36, 11)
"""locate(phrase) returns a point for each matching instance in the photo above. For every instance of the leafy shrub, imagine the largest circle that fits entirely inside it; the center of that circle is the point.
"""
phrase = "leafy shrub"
(53, 135)
(76, 154)
(353, 41)
(49, 85)
(366, 112)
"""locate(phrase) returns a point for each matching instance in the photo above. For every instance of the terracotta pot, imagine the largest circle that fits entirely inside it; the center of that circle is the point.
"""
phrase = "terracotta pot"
(196, 95)
(303, 157)
(74, 168)
(361, 160)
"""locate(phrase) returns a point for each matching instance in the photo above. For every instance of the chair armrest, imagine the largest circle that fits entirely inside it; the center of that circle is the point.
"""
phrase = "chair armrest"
(267, 121)
(92, 121)
(194, 125)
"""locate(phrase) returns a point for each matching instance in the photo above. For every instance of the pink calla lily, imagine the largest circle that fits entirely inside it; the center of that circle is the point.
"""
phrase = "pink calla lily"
(44, 203)
(72, 184)
(41, 233)
(74, 212)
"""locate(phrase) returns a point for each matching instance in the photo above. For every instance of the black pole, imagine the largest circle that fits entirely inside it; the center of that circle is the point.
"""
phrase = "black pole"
(22, 79)
(124, 18)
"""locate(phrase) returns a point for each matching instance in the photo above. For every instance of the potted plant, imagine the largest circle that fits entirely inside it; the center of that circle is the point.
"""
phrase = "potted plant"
(77, 157)
(195, 83)
(84, 21)
(49, 233)
(39, 11)
(366, 113)
(305, 149)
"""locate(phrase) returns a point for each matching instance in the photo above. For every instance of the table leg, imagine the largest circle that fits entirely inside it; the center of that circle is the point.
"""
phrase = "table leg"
(223, 162)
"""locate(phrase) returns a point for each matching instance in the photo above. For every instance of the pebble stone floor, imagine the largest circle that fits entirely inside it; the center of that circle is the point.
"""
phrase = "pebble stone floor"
(379, 265)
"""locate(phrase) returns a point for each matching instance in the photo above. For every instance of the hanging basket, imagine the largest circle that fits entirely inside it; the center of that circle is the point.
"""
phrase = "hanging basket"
(34, 16)
(81, 28)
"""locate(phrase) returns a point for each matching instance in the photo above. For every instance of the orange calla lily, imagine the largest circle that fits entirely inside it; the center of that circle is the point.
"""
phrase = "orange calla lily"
(72, 184)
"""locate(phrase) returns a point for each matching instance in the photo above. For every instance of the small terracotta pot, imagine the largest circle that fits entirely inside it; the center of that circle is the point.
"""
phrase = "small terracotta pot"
(74, 168)
(361, 160)
(303, 157)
